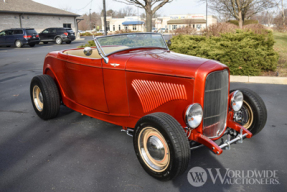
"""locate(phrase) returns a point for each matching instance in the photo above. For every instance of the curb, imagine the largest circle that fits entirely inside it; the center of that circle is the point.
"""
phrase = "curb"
(80, 39)
(258, 79)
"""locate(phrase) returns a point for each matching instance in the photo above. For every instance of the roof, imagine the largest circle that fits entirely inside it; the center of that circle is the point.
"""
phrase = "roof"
(31, 7)
(133, 23)
(186, 21)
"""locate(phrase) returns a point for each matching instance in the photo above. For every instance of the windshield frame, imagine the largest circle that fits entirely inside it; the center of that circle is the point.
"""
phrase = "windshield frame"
(99, 47)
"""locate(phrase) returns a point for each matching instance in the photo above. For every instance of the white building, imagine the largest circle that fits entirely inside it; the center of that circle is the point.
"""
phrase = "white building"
(173, 22)
(133, 23)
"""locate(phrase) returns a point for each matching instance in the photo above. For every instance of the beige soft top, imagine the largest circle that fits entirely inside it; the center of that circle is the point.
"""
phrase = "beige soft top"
(95, 54)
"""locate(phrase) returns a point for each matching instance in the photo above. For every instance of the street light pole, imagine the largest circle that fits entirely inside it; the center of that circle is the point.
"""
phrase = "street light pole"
(105, 17)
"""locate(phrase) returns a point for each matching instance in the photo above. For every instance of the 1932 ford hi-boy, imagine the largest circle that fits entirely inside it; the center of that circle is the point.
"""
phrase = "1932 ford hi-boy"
(170, 103)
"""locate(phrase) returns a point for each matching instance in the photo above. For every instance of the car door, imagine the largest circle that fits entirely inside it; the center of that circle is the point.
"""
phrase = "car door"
(44, 35)
(83, 82)
(2, 37)
(52, 34)
(9, 38)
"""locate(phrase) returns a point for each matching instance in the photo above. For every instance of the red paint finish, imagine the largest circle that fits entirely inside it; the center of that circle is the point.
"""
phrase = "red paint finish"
(133, 84)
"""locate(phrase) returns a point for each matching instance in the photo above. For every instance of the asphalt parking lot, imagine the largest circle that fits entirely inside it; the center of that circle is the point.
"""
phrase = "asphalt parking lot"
(79, 153)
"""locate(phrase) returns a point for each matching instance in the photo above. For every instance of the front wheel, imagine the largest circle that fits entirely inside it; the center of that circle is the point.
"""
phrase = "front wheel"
(161, 146)
(68, 42)
(253, 113)
(32, 44)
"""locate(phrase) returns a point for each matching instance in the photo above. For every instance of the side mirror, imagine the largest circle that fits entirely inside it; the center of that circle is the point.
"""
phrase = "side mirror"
(169, 42)
(88, 51)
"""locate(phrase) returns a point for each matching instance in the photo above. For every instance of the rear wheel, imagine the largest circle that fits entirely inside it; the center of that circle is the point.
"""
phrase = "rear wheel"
(253, 113)
(18, 44)
(32, 44)
(45, 96)
(161, 146)
(58, 40)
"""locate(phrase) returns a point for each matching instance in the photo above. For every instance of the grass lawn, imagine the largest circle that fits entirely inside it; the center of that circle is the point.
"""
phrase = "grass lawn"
(281, 47)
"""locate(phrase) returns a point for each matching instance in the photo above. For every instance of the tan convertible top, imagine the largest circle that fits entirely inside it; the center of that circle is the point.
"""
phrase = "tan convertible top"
(95, 54)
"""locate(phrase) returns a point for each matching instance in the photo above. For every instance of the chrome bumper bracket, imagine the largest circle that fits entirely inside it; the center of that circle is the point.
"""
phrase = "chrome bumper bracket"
(228, 142)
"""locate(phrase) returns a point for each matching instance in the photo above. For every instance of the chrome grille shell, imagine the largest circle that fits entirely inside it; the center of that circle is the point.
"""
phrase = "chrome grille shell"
(215, 103)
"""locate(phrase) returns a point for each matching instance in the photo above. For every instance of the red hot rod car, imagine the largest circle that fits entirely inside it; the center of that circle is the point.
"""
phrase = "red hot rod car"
(170, 103)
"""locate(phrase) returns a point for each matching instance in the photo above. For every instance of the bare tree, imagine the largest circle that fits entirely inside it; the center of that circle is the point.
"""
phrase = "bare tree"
(240, 9)
(280, 5)
(150, 7)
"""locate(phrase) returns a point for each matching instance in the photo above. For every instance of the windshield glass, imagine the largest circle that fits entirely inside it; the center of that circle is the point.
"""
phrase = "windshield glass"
(110, 44)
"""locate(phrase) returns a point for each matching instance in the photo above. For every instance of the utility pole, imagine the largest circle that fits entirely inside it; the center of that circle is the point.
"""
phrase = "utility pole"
(105, 17)
(90, 20)
(206, 12)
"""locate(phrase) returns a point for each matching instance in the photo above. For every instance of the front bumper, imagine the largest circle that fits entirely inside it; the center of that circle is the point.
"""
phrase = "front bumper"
(217, 149)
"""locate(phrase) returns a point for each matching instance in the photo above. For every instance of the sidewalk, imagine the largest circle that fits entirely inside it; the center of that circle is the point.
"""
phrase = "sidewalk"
(258, 79)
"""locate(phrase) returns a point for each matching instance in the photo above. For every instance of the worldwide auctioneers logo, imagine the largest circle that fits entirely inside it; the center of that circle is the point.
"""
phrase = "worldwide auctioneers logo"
(197, 176)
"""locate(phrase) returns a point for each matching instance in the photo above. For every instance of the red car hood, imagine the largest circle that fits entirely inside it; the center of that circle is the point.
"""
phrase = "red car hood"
(164, 62)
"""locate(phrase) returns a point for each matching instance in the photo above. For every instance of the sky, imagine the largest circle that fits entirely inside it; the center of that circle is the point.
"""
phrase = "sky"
(83, 6)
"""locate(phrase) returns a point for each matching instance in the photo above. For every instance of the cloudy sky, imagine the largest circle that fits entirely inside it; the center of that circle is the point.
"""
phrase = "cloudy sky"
(83, 6)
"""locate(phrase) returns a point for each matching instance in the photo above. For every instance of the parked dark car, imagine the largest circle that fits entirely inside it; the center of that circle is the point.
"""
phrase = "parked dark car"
(58, 35)
(19, 37)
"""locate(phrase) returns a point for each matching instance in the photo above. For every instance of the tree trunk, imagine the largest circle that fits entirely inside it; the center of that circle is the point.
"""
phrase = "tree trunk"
(283, 15)
(148, 13)
(240, 21)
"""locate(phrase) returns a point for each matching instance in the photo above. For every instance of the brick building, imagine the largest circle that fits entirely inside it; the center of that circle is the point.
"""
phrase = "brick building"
(27, 13)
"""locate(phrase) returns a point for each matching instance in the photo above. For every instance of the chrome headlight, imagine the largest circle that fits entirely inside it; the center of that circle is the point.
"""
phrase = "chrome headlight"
(237, 100)
(193, 115)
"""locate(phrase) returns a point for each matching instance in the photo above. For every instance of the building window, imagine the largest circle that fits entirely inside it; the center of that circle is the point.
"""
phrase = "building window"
(198, 27)
(67, 25)
(126, 28)
(119, 27)
(169, 27)
(174, 27)
(114, 28)
(134, 27)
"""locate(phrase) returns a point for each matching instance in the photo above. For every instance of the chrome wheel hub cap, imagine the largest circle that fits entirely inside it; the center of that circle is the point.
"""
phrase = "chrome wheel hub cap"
(38, 98)
(155, 148)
